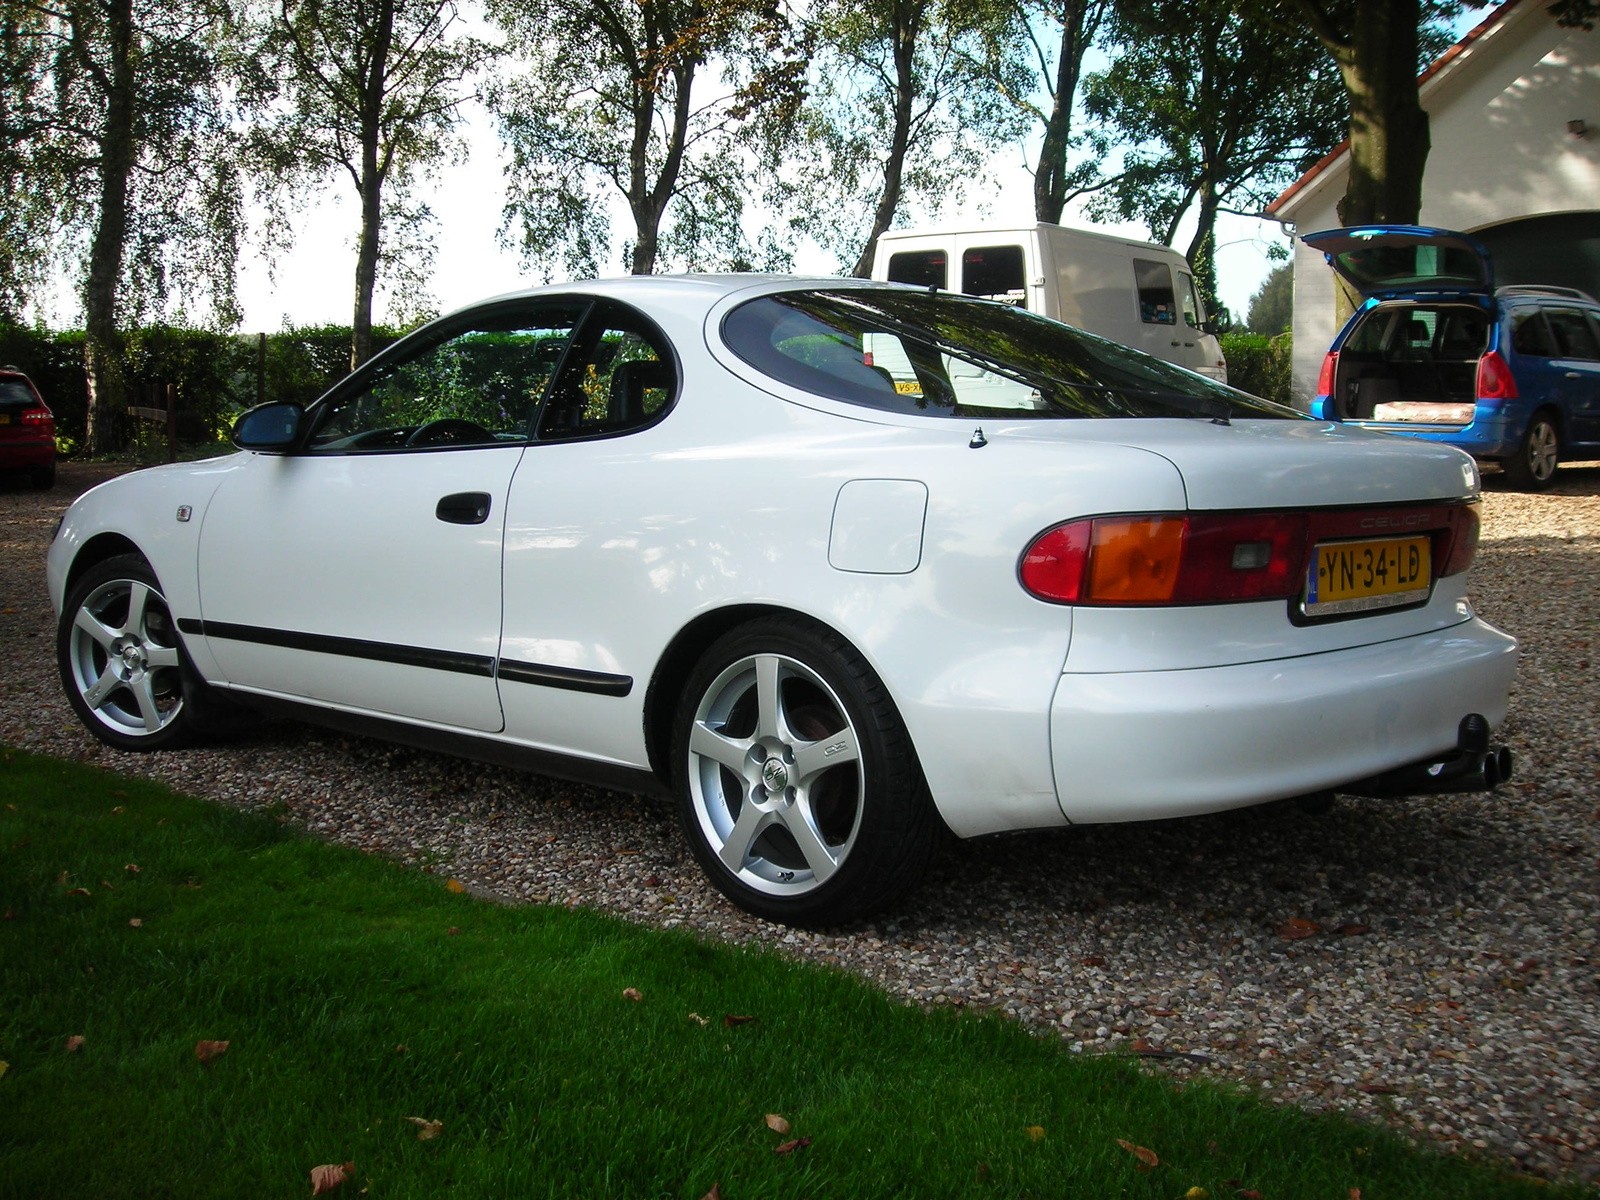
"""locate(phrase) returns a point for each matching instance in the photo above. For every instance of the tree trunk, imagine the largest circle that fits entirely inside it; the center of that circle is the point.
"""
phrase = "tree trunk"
(102, 345)
(907, 22)
(374, 168)
(1202, 253)
(1389, 139)
(1050, 175)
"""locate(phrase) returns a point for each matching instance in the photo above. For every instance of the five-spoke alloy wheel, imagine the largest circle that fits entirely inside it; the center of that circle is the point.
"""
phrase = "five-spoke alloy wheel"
(120, 660)
(799, 790)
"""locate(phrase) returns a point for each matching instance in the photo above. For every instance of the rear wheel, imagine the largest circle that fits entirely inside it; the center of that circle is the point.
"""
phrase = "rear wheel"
(44, 477)
(1533, 467)
(798, 788)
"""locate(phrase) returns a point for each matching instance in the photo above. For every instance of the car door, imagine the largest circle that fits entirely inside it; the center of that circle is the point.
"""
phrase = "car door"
(362, 570)
(1574, 373)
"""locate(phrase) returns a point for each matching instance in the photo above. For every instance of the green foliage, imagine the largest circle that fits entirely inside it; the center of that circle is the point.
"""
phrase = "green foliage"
(361, 1002)
(1260, 365)
(117, 103)
(1197, 94)
(215, 376)
(650, 104)
(1272, 307)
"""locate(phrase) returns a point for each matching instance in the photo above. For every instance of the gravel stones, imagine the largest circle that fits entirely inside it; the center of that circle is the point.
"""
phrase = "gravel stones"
(1431, 963)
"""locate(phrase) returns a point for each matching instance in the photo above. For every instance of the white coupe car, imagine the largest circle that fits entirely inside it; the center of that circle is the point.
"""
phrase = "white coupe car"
(835, 563)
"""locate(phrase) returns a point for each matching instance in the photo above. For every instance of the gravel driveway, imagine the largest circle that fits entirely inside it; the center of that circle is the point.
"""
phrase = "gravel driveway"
(1431, 963)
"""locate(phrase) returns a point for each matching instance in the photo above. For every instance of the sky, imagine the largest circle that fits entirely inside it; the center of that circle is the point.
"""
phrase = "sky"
(315, 283)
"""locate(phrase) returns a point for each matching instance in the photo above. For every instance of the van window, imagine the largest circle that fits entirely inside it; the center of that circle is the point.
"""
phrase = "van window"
(924, 268)
(995, 273)
(1157, 304)
(1193, 314)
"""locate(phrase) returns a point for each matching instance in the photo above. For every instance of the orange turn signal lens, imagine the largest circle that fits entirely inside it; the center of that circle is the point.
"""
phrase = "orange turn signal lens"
(1135, 560)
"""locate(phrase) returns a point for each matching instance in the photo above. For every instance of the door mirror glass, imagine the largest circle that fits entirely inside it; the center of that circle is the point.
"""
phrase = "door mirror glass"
(268, 427)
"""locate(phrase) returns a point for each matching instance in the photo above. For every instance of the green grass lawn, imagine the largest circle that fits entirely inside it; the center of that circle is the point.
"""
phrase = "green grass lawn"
(560, 1053)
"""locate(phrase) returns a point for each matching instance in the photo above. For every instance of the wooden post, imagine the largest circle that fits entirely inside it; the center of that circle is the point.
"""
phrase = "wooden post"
(172, 422)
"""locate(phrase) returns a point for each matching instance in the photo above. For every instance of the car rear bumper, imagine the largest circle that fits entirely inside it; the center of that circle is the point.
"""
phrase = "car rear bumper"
(19, 454)
(1144, 745)
(1494, 433)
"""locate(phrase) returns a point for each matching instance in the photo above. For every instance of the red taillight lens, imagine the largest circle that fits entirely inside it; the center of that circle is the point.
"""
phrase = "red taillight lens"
(36, 416)
(1465, 526)
(1495, 381)
(1166, 559)
(1325, 377)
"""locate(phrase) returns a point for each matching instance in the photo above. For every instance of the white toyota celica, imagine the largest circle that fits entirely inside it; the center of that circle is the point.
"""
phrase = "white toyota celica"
(836, 563)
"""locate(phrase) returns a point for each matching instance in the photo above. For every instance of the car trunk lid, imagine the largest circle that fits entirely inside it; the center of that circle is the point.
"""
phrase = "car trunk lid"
(1384, 261)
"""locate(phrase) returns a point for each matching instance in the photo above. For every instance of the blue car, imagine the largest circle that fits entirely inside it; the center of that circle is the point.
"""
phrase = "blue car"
(1436, 351)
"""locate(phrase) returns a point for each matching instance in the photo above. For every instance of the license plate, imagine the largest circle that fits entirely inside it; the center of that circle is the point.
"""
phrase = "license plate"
(5, 418)
(1349, 577)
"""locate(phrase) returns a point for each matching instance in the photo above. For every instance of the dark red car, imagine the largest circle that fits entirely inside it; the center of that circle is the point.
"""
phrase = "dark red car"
(27, 429)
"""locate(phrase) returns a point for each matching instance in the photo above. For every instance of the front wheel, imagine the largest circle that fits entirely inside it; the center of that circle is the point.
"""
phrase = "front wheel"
(123, 669)
(1533, 467)
(798, 788)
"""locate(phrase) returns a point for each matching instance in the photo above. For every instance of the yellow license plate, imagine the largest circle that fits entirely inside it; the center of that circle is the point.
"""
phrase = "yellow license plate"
(908, 387)
(1349, 577)
(5, 418)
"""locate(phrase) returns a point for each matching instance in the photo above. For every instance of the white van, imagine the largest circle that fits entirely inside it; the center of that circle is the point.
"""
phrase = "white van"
(1136, 293)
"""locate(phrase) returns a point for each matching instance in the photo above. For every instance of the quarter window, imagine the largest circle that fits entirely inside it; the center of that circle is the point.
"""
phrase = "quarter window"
(1574, 337)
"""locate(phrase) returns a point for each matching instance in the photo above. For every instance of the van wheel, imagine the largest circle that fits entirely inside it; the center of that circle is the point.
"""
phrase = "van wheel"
(1533, 468)
(798, 788)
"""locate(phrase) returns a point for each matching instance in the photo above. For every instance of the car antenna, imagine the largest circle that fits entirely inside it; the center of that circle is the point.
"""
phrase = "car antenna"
(978, 441)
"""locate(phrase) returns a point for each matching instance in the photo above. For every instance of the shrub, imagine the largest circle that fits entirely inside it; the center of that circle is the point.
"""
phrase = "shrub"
(1260, 365)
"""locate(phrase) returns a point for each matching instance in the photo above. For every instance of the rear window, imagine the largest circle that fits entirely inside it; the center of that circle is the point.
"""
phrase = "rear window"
(920, 268)
(14, 393)
(1410, 265)
(905, 351)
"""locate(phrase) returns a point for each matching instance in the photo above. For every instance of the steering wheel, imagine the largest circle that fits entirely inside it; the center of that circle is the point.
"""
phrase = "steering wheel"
(449, 431)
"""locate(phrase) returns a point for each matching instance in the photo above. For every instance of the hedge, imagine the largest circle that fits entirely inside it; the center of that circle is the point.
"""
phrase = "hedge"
(215, 376)
(1259, 364)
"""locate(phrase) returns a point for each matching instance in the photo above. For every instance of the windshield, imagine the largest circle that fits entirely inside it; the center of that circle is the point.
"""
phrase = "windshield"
(937, 354)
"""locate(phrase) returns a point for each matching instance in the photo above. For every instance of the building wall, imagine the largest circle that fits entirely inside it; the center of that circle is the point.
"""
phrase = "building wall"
(1501, 152)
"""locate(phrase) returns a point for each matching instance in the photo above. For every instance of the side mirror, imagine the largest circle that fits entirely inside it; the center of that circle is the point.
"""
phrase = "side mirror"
(269, 427)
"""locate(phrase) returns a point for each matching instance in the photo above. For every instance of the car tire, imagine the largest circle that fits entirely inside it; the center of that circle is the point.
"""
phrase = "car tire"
(44, 478)
(1533, 467)
(798, 788)
(123, 666)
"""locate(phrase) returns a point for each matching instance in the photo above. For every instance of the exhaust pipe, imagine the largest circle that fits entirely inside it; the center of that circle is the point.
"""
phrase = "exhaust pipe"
(1475, 766)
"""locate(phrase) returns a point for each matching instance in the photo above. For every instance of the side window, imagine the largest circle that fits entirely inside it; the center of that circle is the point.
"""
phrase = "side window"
(995, 273)
(619, 378)
(1574, 337)
(1157, 304)
(477, 386)
(924, 268)
(1530, 335)
(1193, 314)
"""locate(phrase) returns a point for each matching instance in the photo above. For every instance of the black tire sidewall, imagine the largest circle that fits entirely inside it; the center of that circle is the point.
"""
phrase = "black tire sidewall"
(1517, 468)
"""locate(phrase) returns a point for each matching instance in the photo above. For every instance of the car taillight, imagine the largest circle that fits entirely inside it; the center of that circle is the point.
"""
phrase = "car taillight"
(36, 416)
(1168, 559)
(1465, 525)
(1325, 377)
(1495, 381)
(1220, 558)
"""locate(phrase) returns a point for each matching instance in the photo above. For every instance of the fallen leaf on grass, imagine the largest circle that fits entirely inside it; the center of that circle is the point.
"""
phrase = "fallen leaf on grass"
(4, 1066)
(1197, 1193)
(136, 922)
(455, 885)
(791, 1146)
(633, 994)
(426, 1130)
(329, 1176)
(1035, 1132)
(698, 1019)
(1296, 928)
(729, 1020)
(714, 1194)
(1355, 1194)
(73, 1044)
(132, 868)
(1147, 1158)
(210, 1052)
(777, 1124)
(79, 891)
(10, 914)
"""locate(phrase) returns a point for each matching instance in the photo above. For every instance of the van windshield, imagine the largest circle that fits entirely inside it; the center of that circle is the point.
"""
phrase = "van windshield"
(938, 354)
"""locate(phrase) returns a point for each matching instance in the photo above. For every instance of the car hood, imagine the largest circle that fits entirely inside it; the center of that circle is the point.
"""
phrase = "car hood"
(1391, 260)
(1253, 464)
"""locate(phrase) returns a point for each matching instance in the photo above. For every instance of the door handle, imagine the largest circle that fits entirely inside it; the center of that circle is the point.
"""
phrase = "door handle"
(464, 508)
